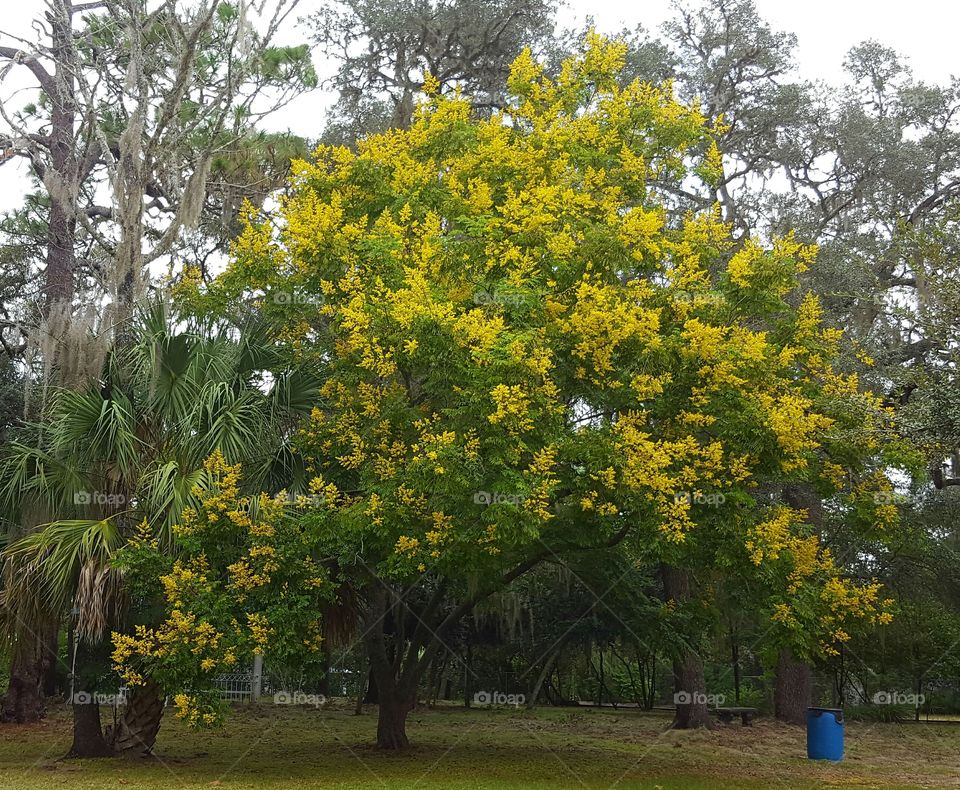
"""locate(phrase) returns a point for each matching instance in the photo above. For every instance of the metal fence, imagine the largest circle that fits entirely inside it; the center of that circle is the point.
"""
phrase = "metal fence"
(257, 682)
(235, 686)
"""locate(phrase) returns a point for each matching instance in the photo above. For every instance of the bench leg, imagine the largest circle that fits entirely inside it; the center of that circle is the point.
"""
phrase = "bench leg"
(747, 719)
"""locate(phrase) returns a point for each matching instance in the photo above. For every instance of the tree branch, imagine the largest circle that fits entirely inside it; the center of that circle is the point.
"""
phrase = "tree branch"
(18, 56)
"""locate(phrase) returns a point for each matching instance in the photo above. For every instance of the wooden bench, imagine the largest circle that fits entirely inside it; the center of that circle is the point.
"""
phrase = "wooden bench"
(726, 715)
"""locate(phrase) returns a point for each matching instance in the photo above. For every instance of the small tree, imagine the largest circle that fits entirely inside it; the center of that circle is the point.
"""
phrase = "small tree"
(247, 580)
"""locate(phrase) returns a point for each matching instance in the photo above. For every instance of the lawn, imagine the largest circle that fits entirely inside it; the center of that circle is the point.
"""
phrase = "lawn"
(278, 746)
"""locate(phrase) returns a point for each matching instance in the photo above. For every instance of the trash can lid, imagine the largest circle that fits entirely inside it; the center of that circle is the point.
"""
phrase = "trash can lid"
(827, 710)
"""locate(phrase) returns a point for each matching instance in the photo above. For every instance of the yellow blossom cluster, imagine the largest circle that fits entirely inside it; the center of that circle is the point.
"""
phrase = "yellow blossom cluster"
(182, 631)
(797, 426)
(246, 581)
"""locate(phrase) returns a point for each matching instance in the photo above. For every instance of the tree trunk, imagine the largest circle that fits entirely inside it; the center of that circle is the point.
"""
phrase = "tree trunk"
(324, 685)
(61, 178)
(792, 694)
(689, 683)
(49, 682)
(392, 722)
(600, 679)
(88, 740)
(544, 673)
(690, 692)
(916, 712)
(735, 659)
(398, 661)
(58, 283)
(431, 681)
(23, 702)
(137, 730)
(396, 700)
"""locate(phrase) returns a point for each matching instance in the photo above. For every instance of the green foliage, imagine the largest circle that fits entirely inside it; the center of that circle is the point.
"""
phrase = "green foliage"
(133, 448)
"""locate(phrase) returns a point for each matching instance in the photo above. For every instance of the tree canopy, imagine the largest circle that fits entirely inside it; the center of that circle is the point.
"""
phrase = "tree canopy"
(525, 356)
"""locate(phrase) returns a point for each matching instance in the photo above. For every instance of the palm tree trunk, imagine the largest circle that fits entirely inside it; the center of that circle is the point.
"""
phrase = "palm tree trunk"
(23, 702)
(137, 731)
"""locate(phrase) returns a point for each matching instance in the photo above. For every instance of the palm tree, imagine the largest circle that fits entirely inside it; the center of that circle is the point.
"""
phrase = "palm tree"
(131, 449)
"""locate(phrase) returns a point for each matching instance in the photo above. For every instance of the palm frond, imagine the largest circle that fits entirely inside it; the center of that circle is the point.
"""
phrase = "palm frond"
(166, 490)
(101, 430)
(294, 394)
(33, 476)
(57, 556)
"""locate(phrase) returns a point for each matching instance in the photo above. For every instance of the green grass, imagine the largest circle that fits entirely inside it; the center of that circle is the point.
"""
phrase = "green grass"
(273, 746)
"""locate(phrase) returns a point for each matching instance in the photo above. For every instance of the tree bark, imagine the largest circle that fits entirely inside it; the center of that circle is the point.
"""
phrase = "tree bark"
(392, 725)
(792, 694)
(544, 673)
(137, 731)
(735, 659)
(61, 178)
(394, 701)
(397, 698)
(23, 702)
(49, 682)
(88, 740)
(689, 683)
(324, 685)
(392, 722)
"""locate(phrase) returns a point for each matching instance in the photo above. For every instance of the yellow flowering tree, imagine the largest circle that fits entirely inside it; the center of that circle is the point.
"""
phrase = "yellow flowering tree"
(247, 579)
(529, 353)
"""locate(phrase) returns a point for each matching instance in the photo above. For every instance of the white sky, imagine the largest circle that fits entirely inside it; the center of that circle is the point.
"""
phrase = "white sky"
(922, 30)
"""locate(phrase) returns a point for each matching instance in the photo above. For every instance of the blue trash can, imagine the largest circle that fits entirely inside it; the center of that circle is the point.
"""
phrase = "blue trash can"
(825, 733)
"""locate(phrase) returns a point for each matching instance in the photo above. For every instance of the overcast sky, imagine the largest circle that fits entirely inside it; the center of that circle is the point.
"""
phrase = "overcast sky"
(924, 31)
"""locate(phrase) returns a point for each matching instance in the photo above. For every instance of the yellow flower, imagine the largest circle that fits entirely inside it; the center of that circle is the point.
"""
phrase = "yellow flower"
(513, 407)
(406, 545)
